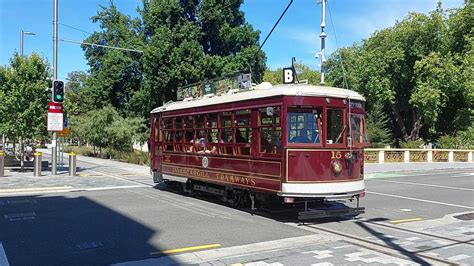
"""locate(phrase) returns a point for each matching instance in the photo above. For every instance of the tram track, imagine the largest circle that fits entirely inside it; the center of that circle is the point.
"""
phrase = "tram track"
(394, 249)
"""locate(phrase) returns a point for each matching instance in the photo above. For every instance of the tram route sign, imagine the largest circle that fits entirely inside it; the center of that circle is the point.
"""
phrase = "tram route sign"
(55, 121)
(215, 86)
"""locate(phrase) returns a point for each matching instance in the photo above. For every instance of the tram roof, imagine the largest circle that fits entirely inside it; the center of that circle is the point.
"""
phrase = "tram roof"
(263, 90)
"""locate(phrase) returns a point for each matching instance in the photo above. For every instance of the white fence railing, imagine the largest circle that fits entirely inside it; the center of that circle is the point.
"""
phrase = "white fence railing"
(416, 155)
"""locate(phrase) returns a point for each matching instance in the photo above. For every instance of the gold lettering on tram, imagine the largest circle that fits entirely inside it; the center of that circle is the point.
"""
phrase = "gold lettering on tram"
(229, 178)
(336, 155)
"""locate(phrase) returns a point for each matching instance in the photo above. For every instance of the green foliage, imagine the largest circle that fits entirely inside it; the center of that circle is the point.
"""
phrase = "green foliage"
(420, 69)
(462, 140)
(135, 157)
(377, 123)
(24, 97)
(182, 42)
(105, 129)
(412, 144)
(304, 73)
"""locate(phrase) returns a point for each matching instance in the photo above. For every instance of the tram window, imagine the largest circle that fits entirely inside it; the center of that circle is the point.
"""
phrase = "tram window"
(178, 123)
(270, 129)
(334, 126)
(270, 116)
(167, 123)
(304, 125)
(200, 121)
(211, 121)
(242, 118)
(188, 121)
(226, 120)
(358, 130)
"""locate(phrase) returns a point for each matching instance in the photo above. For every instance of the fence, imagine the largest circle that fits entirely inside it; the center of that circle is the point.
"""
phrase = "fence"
(416, 155)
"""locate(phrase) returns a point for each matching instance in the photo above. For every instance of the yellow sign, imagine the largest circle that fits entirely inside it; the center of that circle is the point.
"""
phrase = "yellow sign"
(64, 132)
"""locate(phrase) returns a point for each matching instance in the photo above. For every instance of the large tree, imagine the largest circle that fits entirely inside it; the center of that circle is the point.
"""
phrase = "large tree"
(182, 41)
(24, 98)
(416, 71)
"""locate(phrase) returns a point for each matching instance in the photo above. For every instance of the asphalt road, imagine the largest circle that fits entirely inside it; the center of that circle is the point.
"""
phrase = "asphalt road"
(126, 224)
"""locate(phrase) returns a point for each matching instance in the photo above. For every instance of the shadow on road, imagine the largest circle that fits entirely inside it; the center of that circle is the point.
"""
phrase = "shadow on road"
(55, 230)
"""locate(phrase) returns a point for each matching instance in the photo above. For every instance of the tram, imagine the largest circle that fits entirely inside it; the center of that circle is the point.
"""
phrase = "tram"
(288, 143)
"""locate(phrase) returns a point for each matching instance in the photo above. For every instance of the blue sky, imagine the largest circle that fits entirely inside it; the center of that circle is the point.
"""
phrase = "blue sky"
(297, 34)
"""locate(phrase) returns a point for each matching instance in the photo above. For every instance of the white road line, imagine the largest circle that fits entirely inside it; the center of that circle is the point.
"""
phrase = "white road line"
(422, 200)
(3, 256)
(421, 184)
(408, 174)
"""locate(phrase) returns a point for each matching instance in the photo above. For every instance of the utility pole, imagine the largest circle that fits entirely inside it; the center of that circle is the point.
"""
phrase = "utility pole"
(54, 159)
(323, 42)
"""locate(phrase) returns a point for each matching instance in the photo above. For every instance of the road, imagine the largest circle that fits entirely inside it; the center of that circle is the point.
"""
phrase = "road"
(113, 213)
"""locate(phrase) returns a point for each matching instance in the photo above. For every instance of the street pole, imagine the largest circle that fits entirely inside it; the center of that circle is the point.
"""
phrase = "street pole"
(21, 43)
(55, 77)
(22, 34)
(323, 42)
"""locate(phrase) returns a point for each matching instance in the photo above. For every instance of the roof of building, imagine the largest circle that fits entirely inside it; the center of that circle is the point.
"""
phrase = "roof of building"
(263, 90)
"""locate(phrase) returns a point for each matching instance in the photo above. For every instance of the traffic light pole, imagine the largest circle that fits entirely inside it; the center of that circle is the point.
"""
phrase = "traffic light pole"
(54, 160)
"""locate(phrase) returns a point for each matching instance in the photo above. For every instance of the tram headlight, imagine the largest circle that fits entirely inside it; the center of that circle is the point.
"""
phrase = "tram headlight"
(336, 167)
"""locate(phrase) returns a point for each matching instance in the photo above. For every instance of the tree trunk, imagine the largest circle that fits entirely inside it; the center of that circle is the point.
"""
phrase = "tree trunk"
(22, 154)
(417, 124)
(400, 122)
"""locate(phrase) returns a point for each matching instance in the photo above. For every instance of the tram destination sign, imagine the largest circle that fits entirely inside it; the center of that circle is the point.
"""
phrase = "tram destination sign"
(215, 86)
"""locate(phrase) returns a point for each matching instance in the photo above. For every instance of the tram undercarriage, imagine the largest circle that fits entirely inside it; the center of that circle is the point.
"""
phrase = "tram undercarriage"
(308, 208)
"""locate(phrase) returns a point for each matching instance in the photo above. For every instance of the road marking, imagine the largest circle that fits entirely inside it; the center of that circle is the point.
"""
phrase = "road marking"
(423, 184)
(172, 251)
(405, 220)
(422, 200)
(33, 189)
(3, 256)
(405, 210)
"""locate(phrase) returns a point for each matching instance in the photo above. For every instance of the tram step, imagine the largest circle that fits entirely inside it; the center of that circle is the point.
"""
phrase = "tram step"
(324, 213)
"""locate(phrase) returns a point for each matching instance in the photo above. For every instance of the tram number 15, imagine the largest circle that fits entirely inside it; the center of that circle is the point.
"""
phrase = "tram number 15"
(336, 155)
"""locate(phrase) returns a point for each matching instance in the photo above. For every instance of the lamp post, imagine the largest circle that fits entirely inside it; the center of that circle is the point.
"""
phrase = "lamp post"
(21, 39)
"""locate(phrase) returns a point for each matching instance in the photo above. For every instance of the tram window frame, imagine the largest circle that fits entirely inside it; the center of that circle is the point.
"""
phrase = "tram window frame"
(359, 132)
(329, 141)
(316, 130)
(168, 134)
(242, 148)
(270, 129)
(226, 126)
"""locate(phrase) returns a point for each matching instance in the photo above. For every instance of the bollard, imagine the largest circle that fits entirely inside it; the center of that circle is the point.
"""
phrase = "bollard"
(72, 164)
(37, 164)
(2, 164)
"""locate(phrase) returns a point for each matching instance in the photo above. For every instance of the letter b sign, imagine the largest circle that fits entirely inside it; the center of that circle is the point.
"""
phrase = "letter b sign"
(288, 75)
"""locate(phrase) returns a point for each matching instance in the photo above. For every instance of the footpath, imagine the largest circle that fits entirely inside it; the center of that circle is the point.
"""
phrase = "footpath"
(443, 241)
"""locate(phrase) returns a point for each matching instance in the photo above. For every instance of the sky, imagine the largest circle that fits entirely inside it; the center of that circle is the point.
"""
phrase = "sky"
(348, 21)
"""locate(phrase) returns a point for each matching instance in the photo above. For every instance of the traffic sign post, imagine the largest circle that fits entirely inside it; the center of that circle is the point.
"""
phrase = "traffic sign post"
(55, 123)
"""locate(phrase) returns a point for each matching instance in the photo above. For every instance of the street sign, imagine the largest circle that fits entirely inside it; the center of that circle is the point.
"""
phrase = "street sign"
(55, 107)
(55, 122)
(64, 132)
(55, 117)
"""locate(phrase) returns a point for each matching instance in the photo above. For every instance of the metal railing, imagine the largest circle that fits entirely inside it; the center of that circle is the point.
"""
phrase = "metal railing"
(417, 155)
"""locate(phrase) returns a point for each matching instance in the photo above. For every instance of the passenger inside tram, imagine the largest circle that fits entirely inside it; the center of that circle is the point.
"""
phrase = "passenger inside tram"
(302, 138)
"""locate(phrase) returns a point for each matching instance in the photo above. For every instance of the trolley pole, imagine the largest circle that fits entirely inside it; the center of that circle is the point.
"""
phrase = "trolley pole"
(323, 36)
(54, 159)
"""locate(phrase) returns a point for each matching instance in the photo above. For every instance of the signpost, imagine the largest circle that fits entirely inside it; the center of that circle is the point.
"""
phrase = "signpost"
(55, 117)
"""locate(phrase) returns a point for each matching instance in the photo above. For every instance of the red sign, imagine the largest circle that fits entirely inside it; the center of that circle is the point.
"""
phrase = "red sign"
(55, 107)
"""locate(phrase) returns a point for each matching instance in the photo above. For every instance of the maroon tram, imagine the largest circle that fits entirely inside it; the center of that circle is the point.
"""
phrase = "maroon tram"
(292, 142)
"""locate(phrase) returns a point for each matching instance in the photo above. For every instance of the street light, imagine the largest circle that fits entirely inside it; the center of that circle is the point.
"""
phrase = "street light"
(21, 39)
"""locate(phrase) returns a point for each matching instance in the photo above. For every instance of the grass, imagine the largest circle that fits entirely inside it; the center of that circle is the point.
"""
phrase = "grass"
(135, 157)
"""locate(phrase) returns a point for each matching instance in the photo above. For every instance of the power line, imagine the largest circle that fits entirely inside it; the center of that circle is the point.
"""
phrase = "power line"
(101, 45)
(74, 28)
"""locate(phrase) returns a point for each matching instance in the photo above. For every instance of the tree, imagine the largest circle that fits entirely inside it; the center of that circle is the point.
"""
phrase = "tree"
(77, 100)
(303, 71)
(24, 97)
(115, 75)
(416, 70)
(377, 124)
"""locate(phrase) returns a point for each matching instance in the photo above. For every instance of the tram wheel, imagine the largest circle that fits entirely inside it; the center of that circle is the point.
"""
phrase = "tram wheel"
(234, 198)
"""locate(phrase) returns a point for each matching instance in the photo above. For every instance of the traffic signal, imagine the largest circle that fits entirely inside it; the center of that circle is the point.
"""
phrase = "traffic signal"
(58, 91)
